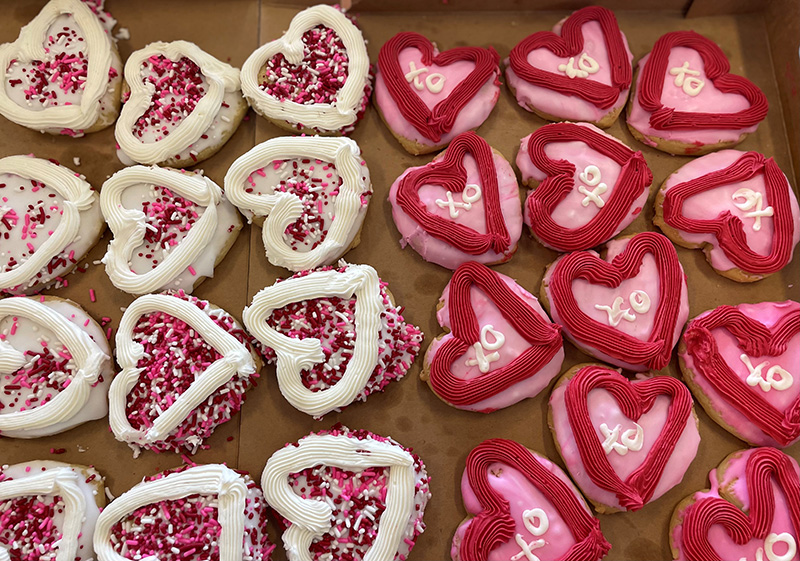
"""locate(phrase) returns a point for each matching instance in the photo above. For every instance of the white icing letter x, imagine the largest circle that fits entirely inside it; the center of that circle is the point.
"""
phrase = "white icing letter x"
(528, 517)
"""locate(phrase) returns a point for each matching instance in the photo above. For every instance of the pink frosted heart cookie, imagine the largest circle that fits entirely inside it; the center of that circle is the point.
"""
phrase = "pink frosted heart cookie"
(186, 366)
(194, 513)
(463, 206)
(738, 207)
(62, 75)
(181, 105)
(49, 220)
(347, 494)
(427, 97)
(628, 308)
(686, 101)
(743, 365)
(315, 79)
(500, 346)
(48, 511)
(335, 335)
(581, 71)
(625, 443)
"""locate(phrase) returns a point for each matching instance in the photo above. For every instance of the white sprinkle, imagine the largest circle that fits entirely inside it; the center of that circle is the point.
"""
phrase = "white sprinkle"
(76, 160)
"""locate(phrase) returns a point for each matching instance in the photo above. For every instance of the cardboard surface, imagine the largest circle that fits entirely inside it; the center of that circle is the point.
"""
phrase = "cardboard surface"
(408, 410)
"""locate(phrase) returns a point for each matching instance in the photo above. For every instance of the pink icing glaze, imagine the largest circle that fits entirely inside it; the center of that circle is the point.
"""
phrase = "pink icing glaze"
(709, 99)
(734, 481)
(567, 107)
(522, 496)
(709, 204)
(603, 408)
(470, 117)
(442, 253)
(589, 295)
(487, 312)
(767, 313)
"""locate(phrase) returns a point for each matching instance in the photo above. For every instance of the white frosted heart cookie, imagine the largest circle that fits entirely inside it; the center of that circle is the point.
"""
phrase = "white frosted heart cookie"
(310, 195)
(55, 367)
(171, 228)
(181, 105)
(62, 75)
(49, 220)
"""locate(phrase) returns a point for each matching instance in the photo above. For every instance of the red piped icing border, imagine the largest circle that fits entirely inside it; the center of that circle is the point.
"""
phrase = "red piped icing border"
(727, 228)
(717, 70)
(634, 400)
(544, 337)
(494, 526)
(634, 177)
(763, 466)
(755, 339)
(435, 123)
(570, 44)
(450, 173)
(655, 353)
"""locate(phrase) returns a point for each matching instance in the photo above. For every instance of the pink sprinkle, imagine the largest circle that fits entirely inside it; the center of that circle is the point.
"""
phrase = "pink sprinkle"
(91, 295)
(192, 271)
(86, 323)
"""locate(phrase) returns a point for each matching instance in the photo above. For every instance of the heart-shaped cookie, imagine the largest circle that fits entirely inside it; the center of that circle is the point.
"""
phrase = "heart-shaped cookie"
(63, 72)
(521, 506)
(738, 207)
(627, 309)
(463, 206)
(288, 82)
(742, 364)
(580, 72)
(427, 97)
(501, 347)
(355, 492)
(311, 194)
(185, 368)
(625, 443)
(591, 186)
(752, 511)
(171, 228)
(334, 334)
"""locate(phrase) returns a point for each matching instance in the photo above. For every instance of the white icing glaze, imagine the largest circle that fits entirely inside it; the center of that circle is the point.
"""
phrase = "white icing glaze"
(77, 196)
(220, 79)
(483, 360)
(591, 176)
(311, 518)
(282, 209)
(293, 355)
(236, 358)
(687, 79)
(586, 65)
(323, 116)
(433, 81)
(29, 46)
(214, 479)
(639, 302)
(783, 381)
(622, 442)
(471, 194)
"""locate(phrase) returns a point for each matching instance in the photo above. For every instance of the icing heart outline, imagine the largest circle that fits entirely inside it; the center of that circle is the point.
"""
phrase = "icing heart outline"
(448, 171)
(236, 358)
(434, 123)
(570, 44)
(282, 209)
(716, 68)
(635, 399)
(493, 525)
(756, 339)
(544, 337)
(559, 182)
(728, 228)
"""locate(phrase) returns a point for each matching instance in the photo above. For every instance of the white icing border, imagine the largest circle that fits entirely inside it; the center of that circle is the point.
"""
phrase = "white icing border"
(330, 117)
(282, 209)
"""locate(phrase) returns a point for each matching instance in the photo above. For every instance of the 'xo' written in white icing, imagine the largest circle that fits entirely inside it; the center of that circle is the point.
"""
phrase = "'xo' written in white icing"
(434, 82)
(591, 177)
(483, 360)
(769, 548)
(752, 199)
(687, 79)
(768, 382)
(542, 524)
(470, 194)
(586, 65)
(640, 303)
(631, 439)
